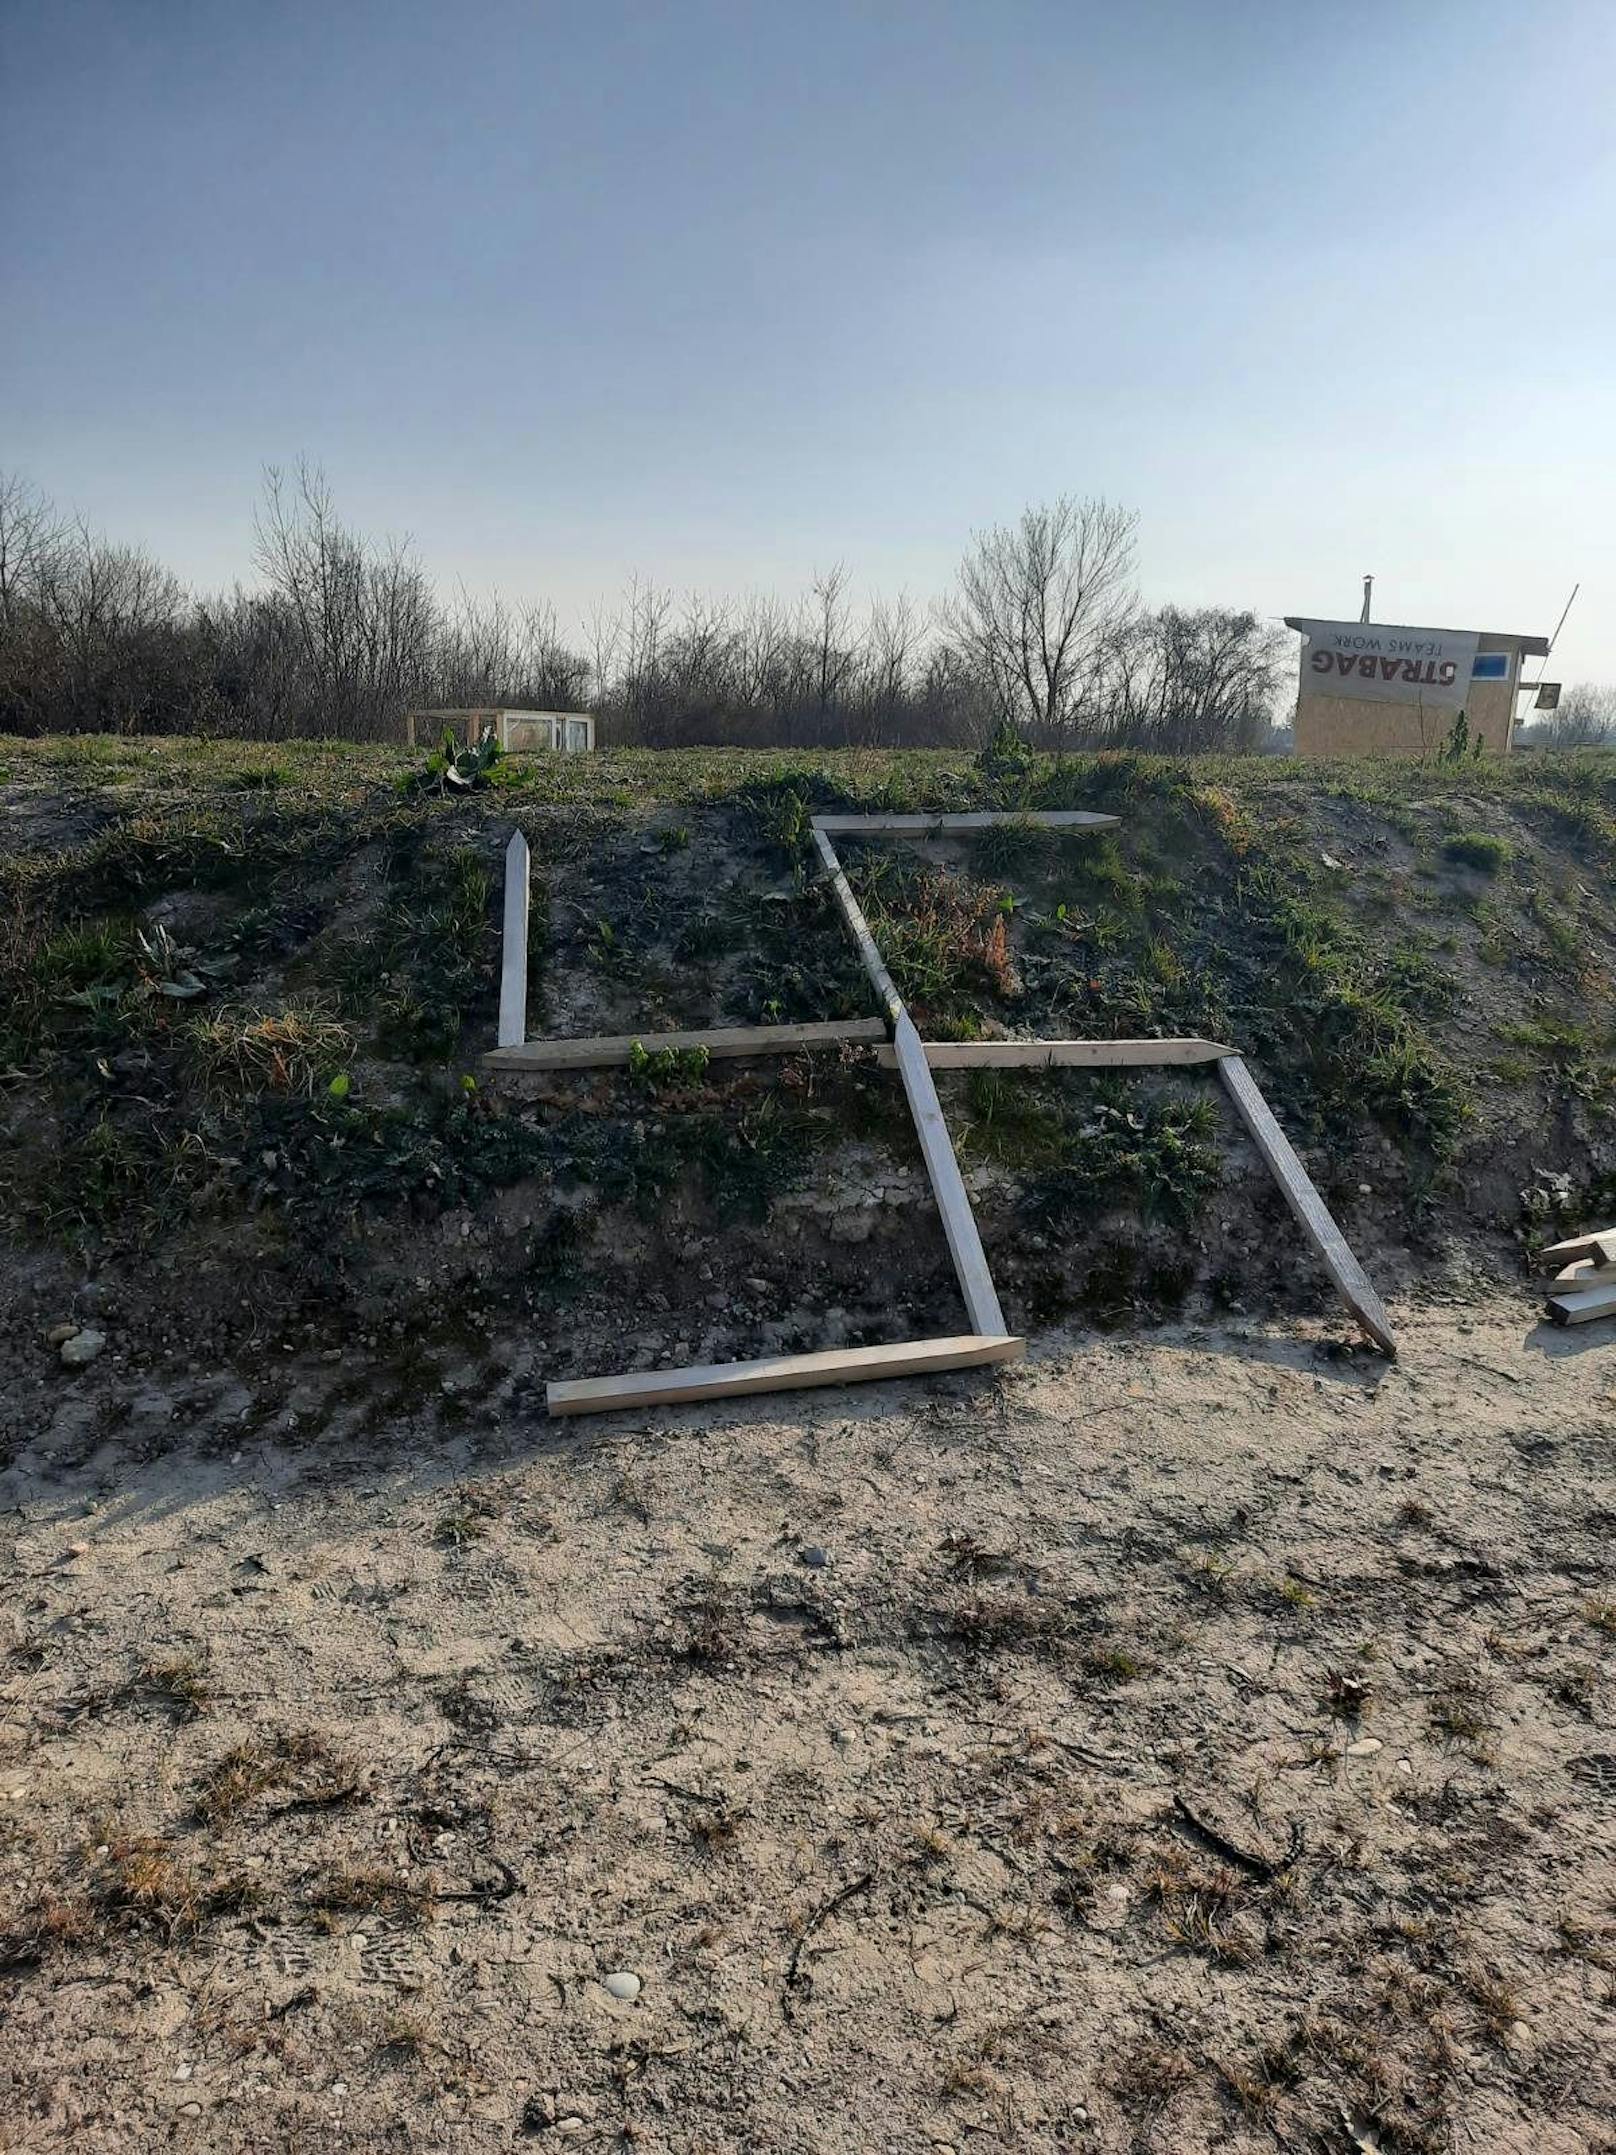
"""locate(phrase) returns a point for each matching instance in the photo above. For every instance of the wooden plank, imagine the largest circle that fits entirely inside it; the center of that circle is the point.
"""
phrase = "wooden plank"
(1583, 1308)
(880, 978)
(1312, 1214)
(1055, 819)
(513, 945)
(1060, 1054)
(779, 1373)
(1600, 1245)
(959, 1223)
(948, 1187)
(1585, 1273)
(722, 1044)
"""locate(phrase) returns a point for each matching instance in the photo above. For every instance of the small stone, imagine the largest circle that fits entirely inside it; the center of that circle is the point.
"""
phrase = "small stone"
(1365, 1747)
(622, 1983)
(851, 1227)
(183, 2072)
(75, 1549)
(83, 1347)
(815, 1558)
(1365, 1190)
(190, 2110)
(59, 1334)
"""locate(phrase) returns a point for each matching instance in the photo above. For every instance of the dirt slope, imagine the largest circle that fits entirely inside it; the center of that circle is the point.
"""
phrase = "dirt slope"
(244, 999)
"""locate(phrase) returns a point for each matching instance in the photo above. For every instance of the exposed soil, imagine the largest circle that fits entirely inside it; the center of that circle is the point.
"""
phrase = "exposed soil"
(1203, 1739)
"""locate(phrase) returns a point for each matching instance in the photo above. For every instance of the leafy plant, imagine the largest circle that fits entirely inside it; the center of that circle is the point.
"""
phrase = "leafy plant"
(456, 766)
(657, 1070)
(1161, 1155)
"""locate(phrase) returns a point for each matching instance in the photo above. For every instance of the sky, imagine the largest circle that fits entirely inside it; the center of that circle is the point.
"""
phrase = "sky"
(723, 294)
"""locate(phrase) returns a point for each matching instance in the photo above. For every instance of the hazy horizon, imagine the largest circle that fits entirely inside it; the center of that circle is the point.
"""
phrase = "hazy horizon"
(722, 296)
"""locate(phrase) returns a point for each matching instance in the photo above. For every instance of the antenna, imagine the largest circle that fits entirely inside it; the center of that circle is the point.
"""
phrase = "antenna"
(1368, 586)
(1555, 638)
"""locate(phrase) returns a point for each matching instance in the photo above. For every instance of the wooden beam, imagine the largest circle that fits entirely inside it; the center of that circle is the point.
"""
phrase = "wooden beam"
(1584, 1273)
(1060, 1054)
(1583, 1308)
(1312, 1214)
(513, 945)
(948, 1187)
(779, 1373)
(1055, 819)
(880, 978)
(959, 1223)
(723, 1044)
(1601, 1246)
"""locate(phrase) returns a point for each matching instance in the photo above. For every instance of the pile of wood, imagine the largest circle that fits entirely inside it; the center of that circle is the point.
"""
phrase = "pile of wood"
(1584, 1278)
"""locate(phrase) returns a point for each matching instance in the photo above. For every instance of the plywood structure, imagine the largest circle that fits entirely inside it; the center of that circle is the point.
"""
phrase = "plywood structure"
(517, 732)
(1354, 725)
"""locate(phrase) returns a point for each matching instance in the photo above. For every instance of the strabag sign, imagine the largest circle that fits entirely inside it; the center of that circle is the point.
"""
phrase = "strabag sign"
(1378, 663)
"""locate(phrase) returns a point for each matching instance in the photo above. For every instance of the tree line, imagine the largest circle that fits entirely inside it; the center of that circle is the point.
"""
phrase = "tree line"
(340, 634)
(1585, 717)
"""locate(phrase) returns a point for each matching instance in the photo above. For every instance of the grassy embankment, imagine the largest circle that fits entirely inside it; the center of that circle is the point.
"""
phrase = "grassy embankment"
(251, 983)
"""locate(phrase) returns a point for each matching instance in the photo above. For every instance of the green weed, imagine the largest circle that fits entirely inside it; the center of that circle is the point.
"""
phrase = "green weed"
(1479, 849)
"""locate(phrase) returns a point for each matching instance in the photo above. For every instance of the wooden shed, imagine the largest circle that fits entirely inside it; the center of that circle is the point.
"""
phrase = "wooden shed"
(567, 733)
(1376, 688)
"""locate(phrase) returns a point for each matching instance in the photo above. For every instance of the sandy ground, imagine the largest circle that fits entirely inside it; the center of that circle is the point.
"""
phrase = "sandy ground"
(1196, 1740)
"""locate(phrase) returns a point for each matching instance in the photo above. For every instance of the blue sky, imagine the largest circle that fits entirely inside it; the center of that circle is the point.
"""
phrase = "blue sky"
(724, 293)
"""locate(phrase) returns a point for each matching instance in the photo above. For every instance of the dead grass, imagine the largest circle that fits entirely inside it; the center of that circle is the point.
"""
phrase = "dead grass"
(1202, 1908)
(1461, 1711)
(1148, 2073)
(129, 1884)
(279, 1051)
(250, 1769)
(338, 1890)
(707, 1621)
(178, 1685)
(988, 1621)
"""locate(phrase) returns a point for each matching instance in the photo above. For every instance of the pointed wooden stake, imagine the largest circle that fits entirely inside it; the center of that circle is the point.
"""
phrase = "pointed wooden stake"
(513, 948)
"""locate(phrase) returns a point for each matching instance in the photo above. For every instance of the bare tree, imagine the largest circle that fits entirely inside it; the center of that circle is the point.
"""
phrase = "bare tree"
(826, 615)
(1040, 604)
(364, 615)
(32, 539)
(1586, 717)
(888, 657)
(1187, 683)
